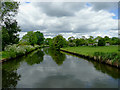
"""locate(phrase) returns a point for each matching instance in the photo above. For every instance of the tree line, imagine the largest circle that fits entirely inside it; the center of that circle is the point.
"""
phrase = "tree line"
(59, 41)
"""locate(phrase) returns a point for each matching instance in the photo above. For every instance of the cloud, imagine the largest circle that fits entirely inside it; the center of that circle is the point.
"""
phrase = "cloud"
(70, 19)
(104, 5)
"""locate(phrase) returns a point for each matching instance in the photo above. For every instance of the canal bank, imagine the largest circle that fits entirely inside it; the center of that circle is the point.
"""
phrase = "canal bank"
(22, 54)
(99, 60)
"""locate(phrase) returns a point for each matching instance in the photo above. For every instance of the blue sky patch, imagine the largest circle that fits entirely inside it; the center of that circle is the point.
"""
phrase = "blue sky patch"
(27, 2)
(88, 4)
(115, 11)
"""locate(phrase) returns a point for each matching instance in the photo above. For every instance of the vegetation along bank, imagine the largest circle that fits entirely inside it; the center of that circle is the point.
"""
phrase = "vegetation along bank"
(106, 54)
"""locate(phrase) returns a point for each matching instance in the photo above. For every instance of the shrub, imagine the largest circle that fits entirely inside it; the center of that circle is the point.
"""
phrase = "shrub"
(15, 50)
(101, 42)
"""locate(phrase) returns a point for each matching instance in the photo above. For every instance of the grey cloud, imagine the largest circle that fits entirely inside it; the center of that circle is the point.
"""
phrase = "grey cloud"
(59, 9)
(104, 5)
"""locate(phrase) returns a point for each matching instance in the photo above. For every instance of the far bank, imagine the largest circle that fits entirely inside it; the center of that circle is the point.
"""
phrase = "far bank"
(102, 54)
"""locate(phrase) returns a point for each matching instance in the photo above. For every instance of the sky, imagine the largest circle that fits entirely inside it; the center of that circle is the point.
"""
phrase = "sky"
(69, 18)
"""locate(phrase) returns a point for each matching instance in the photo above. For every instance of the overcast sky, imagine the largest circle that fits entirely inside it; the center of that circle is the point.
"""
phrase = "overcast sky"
(69, 18)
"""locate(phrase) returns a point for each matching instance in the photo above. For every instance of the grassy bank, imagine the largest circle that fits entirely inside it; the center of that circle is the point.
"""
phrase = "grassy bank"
(107, 54)
(13, 51)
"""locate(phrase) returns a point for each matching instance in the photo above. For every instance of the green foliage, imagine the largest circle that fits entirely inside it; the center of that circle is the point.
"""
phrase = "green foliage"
(40, 37)
(101, 42)
(80, 42)
(10, 27)
(59, 42)
(35, 57)
(71, 39)
(57, 56)
(12, 51)
(32, 38)
(47, 41)
(114, 56)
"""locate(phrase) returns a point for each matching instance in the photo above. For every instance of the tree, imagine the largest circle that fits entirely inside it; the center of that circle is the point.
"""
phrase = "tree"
(40, 37)
(47, 41)
(59, 42)
(101, 42)
(9, 24)
(114, 41)
(79, 42)
(30, 38)
(71, 39)
(91, 40)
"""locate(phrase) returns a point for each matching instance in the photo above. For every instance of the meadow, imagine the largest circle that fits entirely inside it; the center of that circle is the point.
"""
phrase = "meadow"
(89, 50)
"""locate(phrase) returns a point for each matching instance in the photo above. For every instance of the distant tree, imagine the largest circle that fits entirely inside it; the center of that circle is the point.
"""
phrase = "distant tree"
(40, 37)
(101, 42)
(47, 41)
(106, 38)
(9, 24)
(97, 38)
(114, 41)
(59, 42)
(91, 40)
(30, 38)
(71, 39)
(79, 42)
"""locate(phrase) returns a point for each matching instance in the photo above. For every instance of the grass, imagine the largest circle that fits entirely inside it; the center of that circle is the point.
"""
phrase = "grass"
(102, 53)
(89, 50)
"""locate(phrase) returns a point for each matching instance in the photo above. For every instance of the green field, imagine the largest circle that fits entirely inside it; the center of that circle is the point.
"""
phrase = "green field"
(89, 50)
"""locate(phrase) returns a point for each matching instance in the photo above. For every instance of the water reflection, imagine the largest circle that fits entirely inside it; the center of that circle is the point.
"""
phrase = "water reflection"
(35, 57)
(40, 69)
(10, 79)
(111, 71)
(57, 56)
(115, 73)
(10, 76)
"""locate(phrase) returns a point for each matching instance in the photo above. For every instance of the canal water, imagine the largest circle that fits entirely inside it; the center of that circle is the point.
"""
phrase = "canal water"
(46, 68)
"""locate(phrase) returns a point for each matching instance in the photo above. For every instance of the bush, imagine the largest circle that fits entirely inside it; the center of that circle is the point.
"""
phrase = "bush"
(15, 50)
(101, 42)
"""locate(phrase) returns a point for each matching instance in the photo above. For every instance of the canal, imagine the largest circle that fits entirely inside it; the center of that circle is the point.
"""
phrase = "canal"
(46, 68)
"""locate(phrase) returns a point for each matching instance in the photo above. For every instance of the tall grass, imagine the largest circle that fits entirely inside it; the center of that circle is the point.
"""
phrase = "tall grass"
(114, 57)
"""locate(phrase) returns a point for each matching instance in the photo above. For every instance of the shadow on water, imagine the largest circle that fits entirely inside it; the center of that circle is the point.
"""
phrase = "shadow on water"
(57, 56)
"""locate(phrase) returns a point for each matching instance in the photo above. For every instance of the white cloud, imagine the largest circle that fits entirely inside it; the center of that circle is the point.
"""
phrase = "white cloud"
(84, 21)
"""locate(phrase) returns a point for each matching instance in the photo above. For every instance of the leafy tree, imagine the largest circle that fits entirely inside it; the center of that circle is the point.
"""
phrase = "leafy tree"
(114, 41)
(40, 37)
(106, 38)
(97, 38)
(80, 42)
(47, 41)
(71, 39)
(101, 42)
(91, 40)
(30, 38)
(9, 24)
(59, 42)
